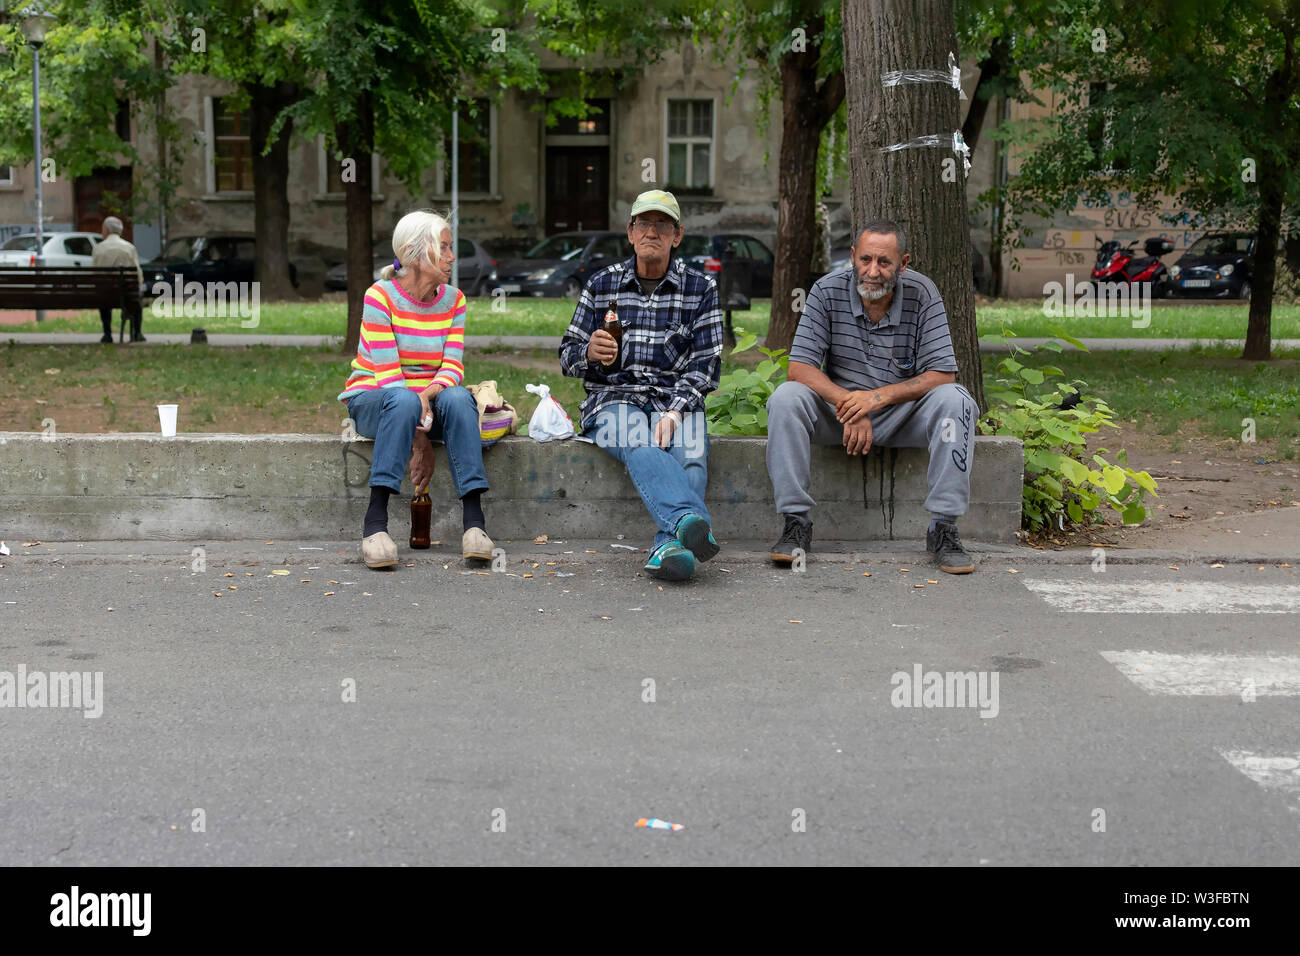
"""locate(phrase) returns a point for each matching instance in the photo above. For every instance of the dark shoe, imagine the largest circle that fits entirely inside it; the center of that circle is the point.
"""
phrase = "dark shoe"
(797, 534)
(138, 338)
(107, 339)
(946, 547)
(670, 562)
(695, 535)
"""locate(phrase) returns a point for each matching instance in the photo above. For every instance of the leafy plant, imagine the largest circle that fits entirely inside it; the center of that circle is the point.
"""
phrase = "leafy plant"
(1053, 420)
(739, 405)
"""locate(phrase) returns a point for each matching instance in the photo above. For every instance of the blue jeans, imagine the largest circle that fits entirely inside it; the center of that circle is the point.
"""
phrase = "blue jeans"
(389, 416)
(670, 481)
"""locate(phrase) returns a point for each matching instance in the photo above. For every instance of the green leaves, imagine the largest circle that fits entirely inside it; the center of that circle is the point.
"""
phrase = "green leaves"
(1059, 480)
(739, 406)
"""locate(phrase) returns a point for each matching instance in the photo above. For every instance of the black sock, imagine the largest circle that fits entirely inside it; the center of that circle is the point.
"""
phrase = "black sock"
(473, 511)
(377, 513)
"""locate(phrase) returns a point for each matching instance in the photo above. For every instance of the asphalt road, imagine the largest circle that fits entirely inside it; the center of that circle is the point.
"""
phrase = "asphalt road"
(507, 720)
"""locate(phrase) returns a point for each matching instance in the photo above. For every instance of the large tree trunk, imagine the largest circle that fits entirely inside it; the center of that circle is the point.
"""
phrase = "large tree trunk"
(999, 212)
(923, 189)
(271, 189)
(991, 68)
(356, 141)
(806, 108)
(1259, 333)
(1272, 195)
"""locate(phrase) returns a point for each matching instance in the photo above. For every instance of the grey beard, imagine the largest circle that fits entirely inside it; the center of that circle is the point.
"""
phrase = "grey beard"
(885, 289)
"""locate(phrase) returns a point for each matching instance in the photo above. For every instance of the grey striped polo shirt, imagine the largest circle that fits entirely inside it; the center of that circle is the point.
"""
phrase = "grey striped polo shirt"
(835, 334)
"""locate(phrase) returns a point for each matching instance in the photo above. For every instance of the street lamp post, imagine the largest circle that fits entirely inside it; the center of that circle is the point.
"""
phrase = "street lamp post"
(455, 187)
(35, 23)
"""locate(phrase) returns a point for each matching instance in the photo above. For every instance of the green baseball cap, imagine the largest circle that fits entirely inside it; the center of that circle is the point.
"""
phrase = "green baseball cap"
(659, 201)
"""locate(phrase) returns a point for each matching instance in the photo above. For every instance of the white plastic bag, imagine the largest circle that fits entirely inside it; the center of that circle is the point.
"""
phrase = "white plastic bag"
(550, 420)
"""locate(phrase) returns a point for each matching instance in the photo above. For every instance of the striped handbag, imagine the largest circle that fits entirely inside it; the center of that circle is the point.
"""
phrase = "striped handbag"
(497, 418)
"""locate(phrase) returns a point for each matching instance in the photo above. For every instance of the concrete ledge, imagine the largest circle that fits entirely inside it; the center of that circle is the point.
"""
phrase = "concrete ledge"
(230, 487)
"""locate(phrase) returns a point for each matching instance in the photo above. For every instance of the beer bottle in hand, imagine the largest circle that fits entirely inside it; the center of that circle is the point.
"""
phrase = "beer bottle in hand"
(615, 328)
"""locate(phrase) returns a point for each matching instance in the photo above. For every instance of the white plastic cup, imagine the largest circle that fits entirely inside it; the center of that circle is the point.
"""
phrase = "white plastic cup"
(167, 418)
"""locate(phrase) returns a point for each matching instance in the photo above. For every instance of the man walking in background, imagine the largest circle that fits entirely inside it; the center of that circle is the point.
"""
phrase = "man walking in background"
(116, 251)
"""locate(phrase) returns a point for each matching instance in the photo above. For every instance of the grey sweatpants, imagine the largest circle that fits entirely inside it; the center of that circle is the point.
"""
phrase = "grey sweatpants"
(942, 420)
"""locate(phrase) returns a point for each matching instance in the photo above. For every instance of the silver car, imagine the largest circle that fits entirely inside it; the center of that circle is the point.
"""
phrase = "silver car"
(61, 249)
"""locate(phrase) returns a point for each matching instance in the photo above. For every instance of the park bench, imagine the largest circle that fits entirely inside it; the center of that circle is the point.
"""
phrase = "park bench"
(70, 287)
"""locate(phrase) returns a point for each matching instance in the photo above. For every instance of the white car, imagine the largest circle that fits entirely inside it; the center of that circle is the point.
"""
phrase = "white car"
(61, 249)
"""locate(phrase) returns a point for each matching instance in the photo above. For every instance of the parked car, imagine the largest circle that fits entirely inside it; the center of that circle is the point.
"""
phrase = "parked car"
(226, 257)
(562, 263)
(705, 252)
(1219, 265)
(61, 249)
(477, 268)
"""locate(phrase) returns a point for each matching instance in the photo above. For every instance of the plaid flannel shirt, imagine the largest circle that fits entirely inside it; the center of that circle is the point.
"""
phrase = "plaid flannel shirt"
(671, 354)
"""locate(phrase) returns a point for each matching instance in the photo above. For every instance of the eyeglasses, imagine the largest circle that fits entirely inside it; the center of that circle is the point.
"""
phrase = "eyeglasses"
(665, 227)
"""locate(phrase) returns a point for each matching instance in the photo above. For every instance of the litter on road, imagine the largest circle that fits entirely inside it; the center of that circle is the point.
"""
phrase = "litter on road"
(654, 824)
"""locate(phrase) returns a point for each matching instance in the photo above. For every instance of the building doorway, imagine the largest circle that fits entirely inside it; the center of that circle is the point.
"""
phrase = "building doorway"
(578, 170)
(103, 193)
(577, 188)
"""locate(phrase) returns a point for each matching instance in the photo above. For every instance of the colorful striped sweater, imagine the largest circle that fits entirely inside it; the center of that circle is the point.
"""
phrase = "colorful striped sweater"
(408, 344)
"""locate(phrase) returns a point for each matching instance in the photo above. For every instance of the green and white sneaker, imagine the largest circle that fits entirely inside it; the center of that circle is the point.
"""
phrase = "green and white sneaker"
(695, 535)
(670, 562)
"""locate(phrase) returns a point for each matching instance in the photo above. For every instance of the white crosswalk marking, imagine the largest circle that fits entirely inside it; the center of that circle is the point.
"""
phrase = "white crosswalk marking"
(1167, 597)
(1280, 772)
(1209, 675)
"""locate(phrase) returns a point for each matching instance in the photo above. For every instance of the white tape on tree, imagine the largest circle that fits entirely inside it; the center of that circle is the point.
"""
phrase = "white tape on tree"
(951, 76)
(951, 141)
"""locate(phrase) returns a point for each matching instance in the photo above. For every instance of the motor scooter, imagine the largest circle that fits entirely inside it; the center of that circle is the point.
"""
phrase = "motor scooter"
(1119, 264)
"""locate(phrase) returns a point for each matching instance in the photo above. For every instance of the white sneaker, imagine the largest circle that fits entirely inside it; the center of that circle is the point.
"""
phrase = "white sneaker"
(379, 550)
(475, 543)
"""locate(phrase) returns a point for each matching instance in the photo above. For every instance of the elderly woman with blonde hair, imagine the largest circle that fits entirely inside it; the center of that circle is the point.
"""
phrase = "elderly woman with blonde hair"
(405, 388)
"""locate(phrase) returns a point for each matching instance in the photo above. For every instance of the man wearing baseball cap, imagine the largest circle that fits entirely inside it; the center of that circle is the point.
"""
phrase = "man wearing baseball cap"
(645, 395)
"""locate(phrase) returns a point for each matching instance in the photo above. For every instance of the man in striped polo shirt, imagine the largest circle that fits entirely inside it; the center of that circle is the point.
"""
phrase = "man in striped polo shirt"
(872, 364)
(645, 395)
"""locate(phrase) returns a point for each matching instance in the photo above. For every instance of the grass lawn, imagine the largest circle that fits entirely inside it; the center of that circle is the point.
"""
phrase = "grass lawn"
(1176, 320)
(518, 317)
(551, 317)
(1200, 391)
(262, 389)
(258, 389)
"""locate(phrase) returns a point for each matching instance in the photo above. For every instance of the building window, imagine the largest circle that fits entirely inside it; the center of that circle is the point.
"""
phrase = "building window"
(6, 175)
(476, 136)
(690, 144)
(329, 174)
(1109, 157)
(596, 123)
(232, 149)
(122, 121)
(474, 133)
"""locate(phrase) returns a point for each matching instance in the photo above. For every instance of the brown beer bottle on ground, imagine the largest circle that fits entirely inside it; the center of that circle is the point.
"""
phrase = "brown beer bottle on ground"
(615, 328)
(421, 513)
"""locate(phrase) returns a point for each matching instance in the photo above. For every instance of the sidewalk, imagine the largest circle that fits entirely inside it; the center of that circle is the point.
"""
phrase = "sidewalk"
(1260, 537)
(1264, 538)
(552, 342)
